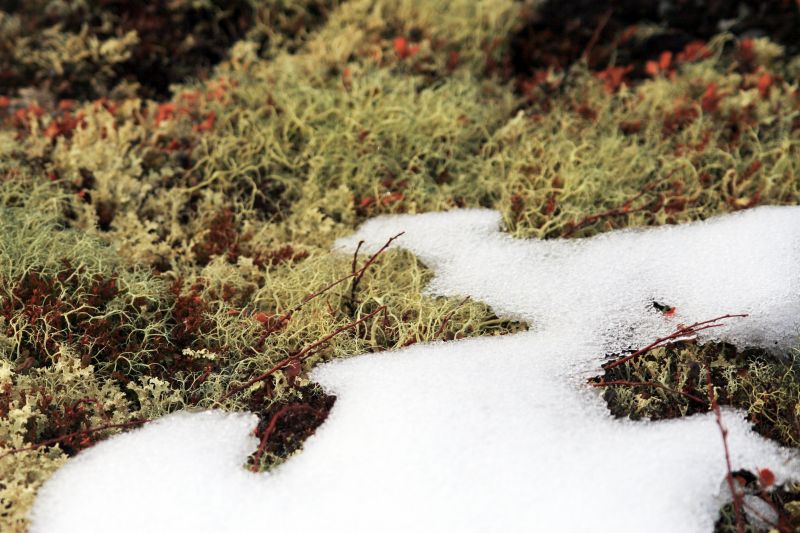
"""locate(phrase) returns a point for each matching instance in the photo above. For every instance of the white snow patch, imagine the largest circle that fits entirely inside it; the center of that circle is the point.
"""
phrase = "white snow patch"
(493, 434)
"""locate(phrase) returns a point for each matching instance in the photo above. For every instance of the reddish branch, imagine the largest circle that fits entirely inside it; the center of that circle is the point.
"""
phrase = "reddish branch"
(358, 274)
(736, 495)
(82, 433)
(596, 35)
(351, 304)
(680, 333)
(299, 356)
(355, 274)
(273, 422)
(623, 209)
(448, 317)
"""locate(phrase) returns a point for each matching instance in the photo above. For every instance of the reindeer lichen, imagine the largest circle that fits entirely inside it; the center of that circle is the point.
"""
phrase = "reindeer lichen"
(163, 220)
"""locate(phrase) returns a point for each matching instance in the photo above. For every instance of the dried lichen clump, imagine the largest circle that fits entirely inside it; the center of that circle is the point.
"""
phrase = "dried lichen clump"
(159, 254)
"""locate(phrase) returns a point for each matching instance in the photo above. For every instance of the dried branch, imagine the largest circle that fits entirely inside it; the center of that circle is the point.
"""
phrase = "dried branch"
(358, 274)
(623, 209)
(736, 495)
(679, 334)
(299, 356)
(596, 35)
(354, 274)
(448, 317)
(351, 303)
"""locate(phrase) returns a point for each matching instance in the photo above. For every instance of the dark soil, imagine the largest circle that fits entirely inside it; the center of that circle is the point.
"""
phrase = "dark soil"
(291, 423)
(559, 33)
(176, 42)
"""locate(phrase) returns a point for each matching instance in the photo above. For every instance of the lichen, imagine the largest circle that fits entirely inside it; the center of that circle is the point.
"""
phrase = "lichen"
(158, 242)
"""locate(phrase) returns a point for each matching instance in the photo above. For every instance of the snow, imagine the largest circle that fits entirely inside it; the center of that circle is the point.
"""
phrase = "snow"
(492, 434)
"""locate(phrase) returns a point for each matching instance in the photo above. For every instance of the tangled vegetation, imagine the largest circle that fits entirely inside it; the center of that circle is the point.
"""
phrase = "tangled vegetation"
(166, 224)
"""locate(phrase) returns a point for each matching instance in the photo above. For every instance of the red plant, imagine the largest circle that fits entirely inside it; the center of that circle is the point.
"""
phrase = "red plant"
(764, 84)
(273, 422)
(694, 51)
(735, 494)
(613, 77)
(207, 124)
(403, 49)
(654, 68)
(679, 118)
(221, 237)
(709, 103)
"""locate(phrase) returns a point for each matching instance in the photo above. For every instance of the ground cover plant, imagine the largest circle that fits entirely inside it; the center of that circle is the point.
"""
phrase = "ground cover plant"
(159, 241)
(457, 430)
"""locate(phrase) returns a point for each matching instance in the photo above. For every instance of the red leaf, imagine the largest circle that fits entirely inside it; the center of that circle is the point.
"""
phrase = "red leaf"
(164, 112)
(764, 83)
(710, 101)
(612, 77)
(401, 47)
(52, 130)
(207, 124)
(765, 477)
(262, 317)
(694, 51)
(293, 368)
(392, 198)
(665, 60)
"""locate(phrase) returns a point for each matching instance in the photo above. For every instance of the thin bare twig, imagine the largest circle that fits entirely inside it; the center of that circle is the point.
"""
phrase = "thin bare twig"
(679, 333)
(448, 317)
(351, 302)
(360, 272)
(299, 355)
(623, 209)
(736, 495)
(596, 35)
